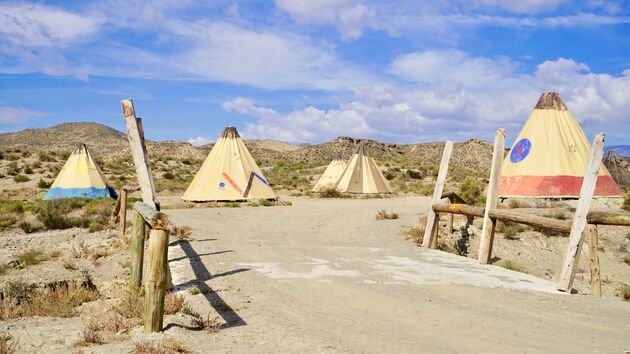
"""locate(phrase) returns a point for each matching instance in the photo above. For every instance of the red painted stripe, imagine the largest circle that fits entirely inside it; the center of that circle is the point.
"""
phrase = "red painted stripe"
(232, 183)
(554, 186)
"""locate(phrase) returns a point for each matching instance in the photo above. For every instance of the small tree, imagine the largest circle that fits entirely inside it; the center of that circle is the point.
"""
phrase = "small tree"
(470, 190)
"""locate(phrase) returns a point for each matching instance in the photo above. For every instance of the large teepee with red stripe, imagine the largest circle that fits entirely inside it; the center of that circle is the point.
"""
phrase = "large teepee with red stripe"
(229, 173)
(549, 156)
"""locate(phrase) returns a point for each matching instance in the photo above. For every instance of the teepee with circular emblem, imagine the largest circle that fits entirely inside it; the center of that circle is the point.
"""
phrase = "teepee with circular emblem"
(80, 177)
(229, 173)
(362, 175)
(550, 155)
(331, 175)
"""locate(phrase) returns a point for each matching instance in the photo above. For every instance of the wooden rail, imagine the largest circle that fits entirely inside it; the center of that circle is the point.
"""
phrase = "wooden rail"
(583, 225)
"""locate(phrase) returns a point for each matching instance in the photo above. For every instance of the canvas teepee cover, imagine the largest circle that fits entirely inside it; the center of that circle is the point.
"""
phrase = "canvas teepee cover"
(549, 156)
(331, 175)
(80, 177)
(362, 175)
(229, 173)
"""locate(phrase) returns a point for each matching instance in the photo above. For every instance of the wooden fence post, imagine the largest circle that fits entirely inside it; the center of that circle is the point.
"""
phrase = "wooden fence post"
(432, 222)
(489, 225)
(137, 251)
(155, 285)
(139, 153)
(576, 238)
(596, 284)
(123, 212)
(449, 222)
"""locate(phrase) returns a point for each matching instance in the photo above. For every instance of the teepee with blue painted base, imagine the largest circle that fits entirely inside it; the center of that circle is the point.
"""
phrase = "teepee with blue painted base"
(80, 177)
(229, 174)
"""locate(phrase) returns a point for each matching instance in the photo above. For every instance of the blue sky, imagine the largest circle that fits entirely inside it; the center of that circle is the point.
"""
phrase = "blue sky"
(309, 71)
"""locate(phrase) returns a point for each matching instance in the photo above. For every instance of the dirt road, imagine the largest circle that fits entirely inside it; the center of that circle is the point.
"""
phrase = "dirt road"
(325, 276)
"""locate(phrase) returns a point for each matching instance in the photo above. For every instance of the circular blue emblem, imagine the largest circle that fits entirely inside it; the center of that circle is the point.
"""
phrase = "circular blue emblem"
(221, 184)
(520, 150)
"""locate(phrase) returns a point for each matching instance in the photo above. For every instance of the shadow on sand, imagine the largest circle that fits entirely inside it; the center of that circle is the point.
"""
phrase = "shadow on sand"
(231, 318)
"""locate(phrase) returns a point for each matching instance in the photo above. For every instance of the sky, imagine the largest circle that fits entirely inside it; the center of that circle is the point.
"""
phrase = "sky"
(310, 71)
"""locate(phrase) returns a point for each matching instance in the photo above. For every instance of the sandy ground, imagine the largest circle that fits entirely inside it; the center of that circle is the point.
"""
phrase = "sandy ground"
(325, 276)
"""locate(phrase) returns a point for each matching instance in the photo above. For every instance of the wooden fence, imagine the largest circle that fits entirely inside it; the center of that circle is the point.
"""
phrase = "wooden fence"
(583, 225)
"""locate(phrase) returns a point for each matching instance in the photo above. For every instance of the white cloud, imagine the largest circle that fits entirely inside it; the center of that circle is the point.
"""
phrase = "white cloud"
(472, 99)
(35, 25)
(17, 115)
(521, 6)
(347, 15)
(200, 140)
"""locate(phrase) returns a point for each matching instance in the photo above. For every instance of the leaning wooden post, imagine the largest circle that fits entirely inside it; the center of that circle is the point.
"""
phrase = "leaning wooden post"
(576, 238)
(123, 211)
(135, 135)
(436, 232)
(432, 221)
(137, 251)
(155, 288)
(489, 225)
(596, 284)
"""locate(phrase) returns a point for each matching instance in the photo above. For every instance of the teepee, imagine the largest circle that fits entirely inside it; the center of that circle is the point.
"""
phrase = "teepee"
(80, 177)
(229, 173)
(549, 156)
(331, 175)
(361, 175)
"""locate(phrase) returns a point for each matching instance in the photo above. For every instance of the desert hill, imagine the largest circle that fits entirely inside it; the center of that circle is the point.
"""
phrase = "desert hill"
(100, 138)
(108, 143)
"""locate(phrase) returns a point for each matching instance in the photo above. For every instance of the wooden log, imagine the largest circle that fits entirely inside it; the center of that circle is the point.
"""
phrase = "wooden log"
(131, 189)
(155, 219)
(492, 199)
(462, 209)
(576, 238)
(432, 223)
(155, 285)
(123, 212)
(137, 251)
(530, 219)
(436, 232)
(620, 218)
(596, 283)
(449, 222)
(135, 134)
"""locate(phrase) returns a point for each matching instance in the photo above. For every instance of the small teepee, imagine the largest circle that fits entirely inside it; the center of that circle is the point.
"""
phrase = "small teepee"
(229, 173)
(331, 175)
(80, 177)
(549, 156)
(362, 175)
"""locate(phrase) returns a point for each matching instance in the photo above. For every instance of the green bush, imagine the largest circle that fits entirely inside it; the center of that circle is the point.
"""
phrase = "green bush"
(43, 184)
(168, 175)
(414, 174)
(329, 193)
(28, 170)
(20, 178)
(471, 191)
(6, 221)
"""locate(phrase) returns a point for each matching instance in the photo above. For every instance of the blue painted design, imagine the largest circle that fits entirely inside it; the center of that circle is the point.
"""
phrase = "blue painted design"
(221, 184)
(520, 150)
(91, 193)
(260, 178)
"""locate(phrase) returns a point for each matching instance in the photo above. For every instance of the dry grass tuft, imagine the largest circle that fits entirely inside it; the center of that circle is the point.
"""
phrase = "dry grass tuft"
(623, 291)
(90, 334)
(384, 215)
(167, 346)
(114, 323)
(173, 303)
(512, 265)
(7, 344)
(132, 305)
(29, 258)
(209, 325)
(59, 301)
(181, 232)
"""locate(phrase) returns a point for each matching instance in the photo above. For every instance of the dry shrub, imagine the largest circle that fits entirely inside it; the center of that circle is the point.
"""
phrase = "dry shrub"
(210, 325)
(167, 346)
(510, 230)
(329, 193)
(7, 344)
(181, 232)
(58, 302)
(132, 305)
(90, 333)
(30, 257)
(175, 346)
(384, 215)
(173, 303)
(114, 323)
(623, 291)
(416, 234)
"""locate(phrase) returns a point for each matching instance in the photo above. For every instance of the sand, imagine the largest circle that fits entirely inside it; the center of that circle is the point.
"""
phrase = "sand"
(325, 276)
